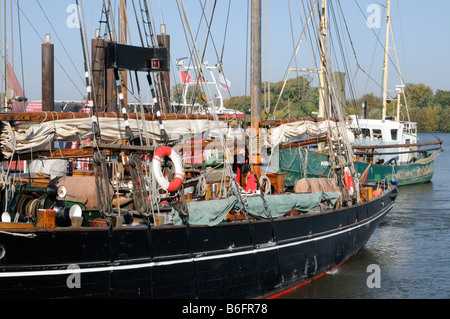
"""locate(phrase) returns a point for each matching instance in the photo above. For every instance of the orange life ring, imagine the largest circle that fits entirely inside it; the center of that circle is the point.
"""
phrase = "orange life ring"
(348, 179)
(157, 172)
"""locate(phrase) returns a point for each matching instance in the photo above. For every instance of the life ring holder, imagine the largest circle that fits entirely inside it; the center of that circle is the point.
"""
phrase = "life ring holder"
(265, 181)
(175, 184)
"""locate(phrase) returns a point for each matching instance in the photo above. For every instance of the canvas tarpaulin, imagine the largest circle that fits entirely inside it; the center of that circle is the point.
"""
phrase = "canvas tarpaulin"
(212, 212)
(26, 138)
(300, 129)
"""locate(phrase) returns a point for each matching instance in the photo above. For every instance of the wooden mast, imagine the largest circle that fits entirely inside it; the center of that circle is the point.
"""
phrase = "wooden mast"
(323, 45)
(123, 40)
(323, 97)
(255, 87)
(386, 59)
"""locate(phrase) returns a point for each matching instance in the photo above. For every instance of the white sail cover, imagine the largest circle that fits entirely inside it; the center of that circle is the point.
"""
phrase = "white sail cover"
(300, 129)
(25, 138)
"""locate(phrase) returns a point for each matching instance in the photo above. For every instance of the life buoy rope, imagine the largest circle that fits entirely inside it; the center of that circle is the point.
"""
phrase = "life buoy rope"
(264, 180)
(175, 184)
(348, 179)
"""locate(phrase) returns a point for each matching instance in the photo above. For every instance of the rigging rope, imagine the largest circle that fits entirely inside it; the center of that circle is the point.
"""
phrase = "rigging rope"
(93, 109)
(102, 183)
(56, 59)
(21, 54)
(57, 36)
(294, 56)
(382, 45)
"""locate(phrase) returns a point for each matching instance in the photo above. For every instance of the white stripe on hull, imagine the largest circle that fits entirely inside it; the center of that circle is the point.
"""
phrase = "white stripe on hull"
(199, 258)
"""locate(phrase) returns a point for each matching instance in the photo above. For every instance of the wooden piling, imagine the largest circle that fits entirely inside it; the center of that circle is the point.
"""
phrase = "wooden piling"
(48, 77)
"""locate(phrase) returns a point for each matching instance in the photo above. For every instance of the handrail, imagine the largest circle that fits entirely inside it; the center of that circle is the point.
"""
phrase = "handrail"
(394, 153)
(365, 147)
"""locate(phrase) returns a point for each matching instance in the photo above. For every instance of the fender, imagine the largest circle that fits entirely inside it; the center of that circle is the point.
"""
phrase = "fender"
(348, 179)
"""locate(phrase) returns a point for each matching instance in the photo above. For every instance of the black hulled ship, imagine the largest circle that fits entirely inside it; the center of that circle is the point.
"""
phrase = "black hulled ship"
(123, 229)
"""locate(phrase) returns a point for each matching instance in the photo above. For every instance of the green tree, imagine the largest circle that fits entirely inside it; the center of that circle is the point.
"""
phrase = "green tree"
(297, 99)
(373, 106)
(444, 119)
(430, 118)
(193, 94)
(430, 110)
(240, 103)
(419, 95)
(427, 118)
(442, 98)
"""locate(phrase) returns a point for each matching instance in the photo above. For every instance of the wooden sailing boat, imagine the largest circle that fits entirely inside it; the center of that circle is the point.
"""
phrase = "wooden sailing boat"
(283, 240)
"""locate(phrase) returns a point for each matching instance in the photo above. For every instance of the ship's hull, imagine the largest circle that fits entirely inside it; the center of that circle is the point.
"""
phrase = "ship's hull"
(318, 166)
(239, 259)
(405, 174)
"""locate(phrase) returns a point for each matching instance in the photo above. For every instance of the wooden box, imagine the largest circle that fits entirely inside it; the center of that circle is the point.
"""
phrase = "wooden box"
(46, 218)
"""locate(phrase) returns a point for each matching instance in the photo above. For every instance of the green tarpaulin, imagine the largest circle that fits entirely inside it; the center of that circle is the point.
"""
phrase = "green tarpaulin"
(212, 212)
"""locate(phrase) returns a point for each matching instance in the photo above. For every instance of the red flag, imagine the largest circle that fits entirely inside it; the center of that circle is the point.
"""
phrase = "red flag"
(186, 77)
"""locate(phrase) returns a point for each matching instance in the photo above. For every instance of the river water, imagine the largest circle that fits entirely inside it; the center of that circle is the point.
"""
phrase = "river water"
(410, 248)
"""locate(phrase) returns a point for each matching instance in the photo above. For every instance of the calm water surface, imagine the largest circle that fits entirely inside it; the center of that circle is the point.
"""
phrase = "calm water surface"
(411, 246)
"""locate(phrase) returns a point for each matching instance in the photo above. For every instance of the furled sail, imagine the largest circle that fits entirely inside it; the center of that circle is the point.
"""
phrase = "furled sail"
(26, 138)
(300, 129)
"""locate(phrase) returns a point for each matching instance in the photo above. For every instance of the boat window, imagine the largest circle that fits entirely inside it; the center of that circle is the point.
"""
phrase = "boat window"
(377, 135)
(365, 133)
(394, 135)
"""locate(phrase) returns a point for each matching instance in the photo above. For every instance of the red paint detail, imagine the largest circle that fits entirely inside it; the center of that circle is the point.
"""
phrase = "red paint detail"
(348, 180)
(163, 151)
(175, 184)
(251, 183)
(288, 291)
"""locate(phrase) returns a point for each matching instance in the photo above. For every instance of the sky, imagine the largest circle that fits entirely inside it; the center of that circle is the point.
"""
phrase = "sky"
(421, 33)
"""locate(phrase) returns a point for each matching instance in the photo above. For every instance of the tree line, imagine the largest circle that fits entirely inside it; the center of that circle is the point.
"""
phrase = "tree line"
(431, 110)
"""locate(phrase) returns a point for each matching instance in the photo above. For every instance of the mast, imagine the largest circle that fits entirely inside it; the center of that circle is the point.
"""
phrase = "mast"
(3, 105)
(323, 99)
(255, 86)
(323, 46)
(123, 40)
(386, 59)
